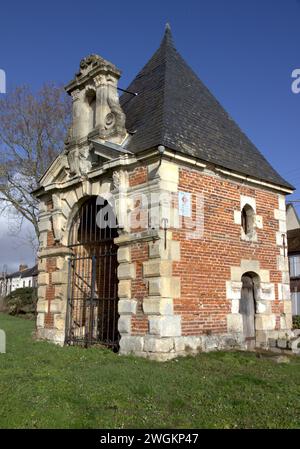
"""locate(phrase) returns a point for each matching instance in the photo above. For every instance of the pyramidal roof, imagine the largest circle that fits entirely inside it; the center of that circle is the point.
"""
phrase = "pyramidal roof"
(175, 109)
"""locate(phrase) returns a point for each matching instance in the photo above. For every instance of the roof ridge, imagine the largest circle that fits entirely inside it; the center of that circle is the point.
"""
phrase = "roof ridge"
(167, 44)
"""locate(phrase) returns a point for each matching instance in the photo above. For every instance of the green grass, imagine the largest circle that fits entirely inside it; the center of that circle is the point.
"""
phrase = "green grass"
(45, 386)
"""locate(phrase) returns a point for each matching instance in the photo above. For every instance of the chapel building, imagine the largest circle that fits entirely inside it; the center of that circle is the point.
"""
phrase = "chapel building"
(162, 227)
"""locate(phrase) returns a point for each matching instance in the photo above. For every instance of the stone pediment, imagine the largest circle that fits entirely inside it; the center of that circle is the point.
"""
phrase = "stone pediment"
(108, 150)
(58, 171)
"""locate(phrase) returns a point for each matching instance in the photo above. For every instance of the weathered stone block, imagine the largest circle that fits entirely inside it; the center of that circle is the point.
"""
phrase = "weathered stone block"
(154, 249)
(41, 292)
(62, 264)
(165, 326)
(59, 277)
(236, 274)
(234, 322)
(282, 226)
(59, 322)
(40, 319)
(179, 344)
(152, 344)
(157, 249)
(168, 287)
(286, 321)
(127, 306)
(282, 263)
(124, 289)
(124, 254)
(71, 198)
(158, 306)
(157, 267)
(266, 291)
(287, 307)
(250, 265)
(45, 224)
(263, 307)
(272, 342)
(264, 275)
(129, 344)
(280, 214)
(43, 279)
(41, 265)
(281, 343)
(265, 322)
(55, 306)
(124, 324)
(126, 271)
(233, 289)
(281, 203)
(192, 343)
(42, 306)
(285, 277)
(237, 216)
(235, 306)
(258, 221)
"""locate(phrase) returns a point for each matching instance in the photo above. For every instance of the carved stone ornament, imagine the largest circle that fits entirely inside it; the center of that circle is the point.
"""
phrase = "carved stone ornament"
(120, 180)
(110, 117)
(79, 160)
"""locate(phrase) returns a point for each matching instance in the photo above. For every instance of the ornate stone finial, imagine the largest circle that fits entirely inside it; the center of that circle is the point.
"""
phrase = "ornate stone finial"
(96, 106)
(168, 27)
(88, 60)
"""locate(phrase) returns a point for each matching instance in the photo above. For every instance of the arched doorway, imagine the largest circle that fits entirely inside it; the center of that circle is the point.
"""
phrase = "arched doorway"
(92, 316)
(250, 283)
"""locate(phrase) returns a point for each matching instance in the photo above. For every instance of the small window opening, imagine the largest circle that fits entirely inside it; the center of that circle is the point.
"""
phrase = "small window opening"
(248, 220)
(91, 99)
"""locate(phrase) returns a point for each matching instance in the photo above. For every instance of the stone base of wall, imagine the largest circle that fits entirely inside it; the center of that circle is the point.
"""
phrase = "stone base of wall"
(52, 335)
(167, 348)
(163, 349)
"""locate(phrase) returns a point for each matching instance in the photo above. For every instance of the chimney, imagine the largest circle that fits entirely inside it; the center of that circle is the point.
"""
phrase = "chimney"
(23, 267)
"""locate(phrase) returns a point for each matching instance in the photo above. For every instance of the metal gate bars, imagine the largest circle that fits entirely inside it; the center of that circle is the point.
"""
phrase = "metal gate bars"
(92, 312)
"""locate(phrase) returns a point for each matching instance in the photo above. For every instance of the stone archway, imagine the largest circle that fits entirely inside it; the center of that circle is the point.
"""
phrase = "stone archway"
(248, 306)
(92, 313)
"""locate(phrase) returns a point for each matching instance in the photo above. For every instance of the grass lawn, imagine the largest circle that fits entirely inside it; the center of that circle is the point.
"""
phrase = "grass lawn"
(45, 386)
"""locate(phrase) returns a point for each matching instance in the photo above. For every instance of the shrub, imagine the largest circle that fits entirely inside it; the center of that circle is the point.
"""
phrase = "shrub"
(22, 301)
(296, 322)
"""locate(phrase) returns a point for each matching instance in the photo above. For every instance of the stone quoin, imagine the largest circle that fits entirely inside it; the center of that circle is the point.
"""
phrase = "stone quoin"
(197, 259)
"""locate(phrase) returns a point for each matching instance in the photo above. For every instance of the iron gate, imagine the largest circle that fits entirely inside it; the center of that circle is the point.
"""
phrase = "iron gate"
(92, 314)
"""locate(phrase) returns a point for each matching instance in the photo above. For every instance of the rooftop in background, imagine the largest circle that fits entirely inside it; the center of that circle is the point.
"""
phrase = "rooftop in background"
(292, 219)
(175, 109)
(29, 272)
(294, 241)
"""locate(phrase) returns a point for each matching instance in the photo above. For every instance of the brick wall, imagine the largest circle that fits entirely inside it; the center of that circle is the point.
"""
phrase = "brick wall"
(205, 263)
(138, 176)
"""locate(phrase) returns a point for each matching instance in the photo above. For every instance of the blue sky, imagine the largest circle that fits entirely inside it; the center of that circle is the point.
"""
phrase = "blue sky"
(244, 51)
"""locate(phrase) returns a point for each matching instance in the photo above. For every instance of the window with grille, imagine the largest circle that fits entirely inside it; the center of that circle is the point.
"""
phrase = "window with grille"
(294, 262)
(295, 303)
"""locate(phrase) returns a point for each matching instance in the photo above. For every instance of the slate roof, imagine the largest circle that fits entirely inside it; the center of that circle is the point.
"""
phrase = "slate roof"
(175, 109)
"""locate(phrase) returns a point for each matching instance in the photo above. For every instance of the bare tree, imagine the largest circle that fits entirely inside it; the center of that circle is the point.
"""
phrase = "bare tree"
(32, 132)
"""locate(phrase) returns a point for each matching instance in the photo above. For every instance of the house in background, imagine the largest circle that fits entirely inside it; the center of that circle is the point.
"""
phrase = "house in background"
(292, 219)
(24, 277)
(293, 236)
